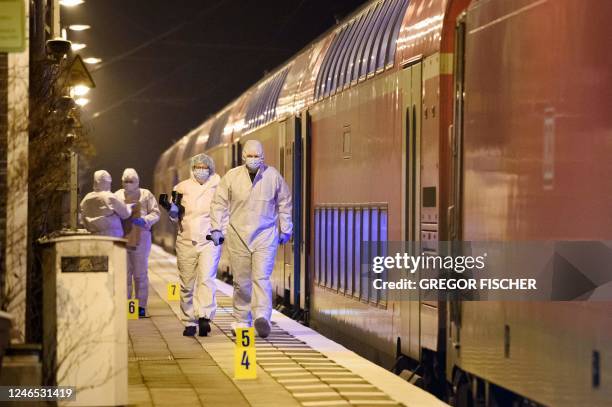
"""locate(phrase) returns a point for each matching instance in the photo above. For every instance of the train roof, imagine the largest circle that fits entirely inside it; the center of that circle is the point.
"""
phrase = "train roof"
(326, 66)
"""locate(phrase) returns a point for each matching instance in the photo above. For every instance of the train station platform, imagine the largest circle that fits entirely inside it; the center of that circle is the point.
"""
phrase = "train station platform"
(296, 365)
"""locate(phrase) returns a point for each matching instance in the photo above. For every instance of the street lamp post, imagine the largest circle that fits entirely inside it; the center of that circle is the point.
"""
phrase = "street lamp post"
(74, 189)
(79, 82)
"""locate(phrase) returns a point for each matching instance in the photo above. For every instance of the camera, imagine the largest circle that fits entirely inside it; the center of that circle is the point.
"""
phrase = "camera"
(58, 47)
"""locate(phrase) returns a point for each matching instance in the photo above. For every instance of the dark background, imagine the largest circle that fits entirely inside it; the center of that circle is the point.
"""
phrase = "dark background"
(168, 65)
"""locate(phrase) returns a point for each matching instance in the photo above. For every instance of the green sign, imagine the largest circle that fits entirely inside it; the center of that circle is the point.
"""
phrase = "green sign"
(12, 26)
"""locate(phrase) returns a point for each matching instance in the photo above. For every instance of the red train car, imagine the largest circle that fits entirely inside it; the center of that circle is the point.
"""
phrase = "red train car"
(430, 121)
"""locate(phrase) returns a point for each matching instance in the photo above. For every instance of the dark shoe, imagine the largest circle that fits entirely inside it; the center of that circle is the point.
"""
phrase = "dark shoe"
(204, 326)
(189, 331)
(262, 326)
(142, 313)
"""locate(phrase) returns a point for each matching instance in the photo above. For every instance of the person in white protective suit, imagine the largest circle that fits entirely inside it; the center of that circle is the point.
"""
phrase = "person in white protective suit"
(137, 229)
(196, 257)
(258, 202)
(101, 210)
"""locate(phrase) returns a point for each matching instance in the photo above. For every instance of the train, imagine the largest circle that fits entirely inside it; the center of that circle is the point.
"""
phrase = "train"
(438, 121)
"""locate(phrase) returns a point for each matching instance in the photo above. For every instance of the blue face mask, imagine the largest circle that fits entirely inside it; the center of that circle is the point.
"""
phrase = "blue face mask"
(253, 163)
(201, 174)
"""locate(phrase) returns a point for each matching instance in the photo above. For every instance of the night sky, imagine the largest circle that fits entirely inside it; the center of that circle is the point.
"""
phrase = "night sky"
(168, 65)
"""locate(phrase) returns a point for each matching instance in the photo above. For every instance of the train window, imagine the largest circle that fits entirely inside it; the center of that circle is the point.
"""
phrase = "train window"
(329, 254)
(355, 50)
(345, 236)
(215, 137)
(363, 46)
(333, 60)
(350, 259)
(385, 16)
(327, 249)
(275, 94)
(236, 154)
(429, 197)
(333, 72)
(335, 248)
(391, 44)
(364, 268)
(383, 238)
(347, 52)
(323, 232)
(386, 42)
(344, 58)
(324, 244)
(324, 72)
(318, 82)
(262, 104)
(373, 247)
(342, 251)
(265, 112)
(189, 149)
(357, 258)
(367, 43)
(250, 112)
(317, 246)
(268, 113)
(359, 54)
(171, 157)
(163, 161)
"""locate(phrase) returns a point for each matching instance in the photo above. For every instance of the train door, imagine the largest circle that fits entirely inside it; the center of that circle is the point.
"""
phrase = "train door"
(455, 218)
(236, 154)
(227, 156)
(302, 248)
(285, 167)
(291, 165)
(410, 83)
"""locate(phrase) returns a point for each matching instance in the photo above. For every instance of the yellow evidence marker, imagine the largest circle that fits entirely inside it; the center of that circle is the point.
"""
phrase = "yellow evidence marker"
(173, 291)
(245, 363)
(132, 309)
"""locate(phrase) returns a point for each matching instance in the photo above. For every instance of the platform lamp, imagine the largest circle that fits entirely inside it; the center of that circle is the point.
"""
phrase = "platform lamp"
(79, 83)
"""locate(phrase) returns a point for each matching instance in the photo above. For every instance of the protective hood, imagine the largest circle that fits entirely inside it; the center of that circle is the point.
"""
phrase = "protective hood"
(102, 181)
(252, 147)
(131, 175)
(202, 159)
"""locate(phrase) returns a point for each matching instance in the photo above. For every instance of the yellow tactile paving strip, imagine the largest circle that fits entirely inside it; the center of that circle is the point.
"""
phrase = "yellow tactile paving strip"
(290, 372)
(285, 358)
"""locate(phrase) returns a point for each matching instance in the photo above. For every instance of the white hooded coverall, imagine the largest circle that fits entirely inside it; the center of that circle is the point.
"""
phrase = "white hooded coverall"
(101, 210)
(197, 258)
(256, 210)
(138, 257)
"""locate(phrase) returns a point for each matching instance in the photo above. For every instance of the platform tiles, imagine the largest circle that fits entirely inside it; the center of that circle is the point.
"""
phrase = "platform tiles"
(294, 360)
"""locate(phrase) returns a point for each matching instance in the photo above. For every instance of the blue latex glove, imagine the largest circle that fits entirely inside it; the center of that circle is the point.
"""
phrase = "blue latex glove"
(217, 237)
(284, 238)
(139, 222)
(174, 211)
